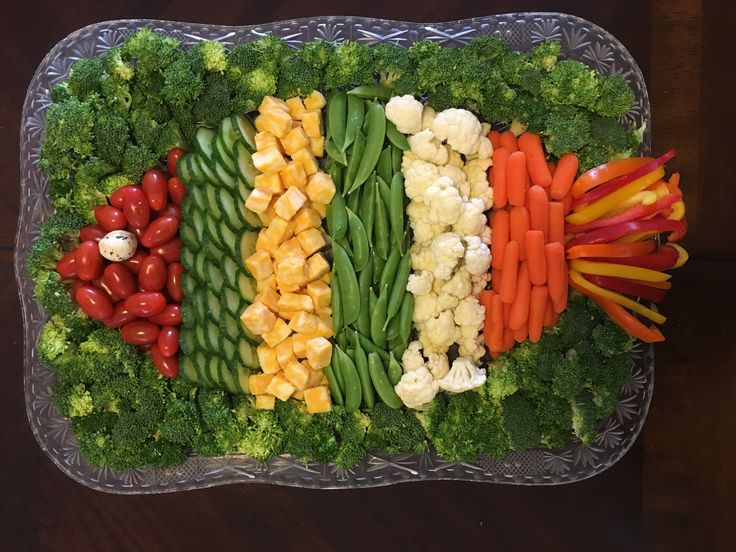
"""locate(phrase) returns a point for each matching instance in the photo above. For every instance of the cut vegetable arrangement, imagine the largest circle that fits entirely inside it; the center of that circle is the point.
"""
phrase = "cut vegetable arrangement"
(345, 248)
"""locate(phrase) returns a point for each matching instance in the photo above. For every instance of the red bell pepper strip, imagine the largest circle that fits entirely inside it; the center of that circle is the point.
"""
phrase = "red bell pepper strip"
(629, 287)
(603, 173)
(665, 258)
(610, 233)
(632, 213)
(612, 250)
(679, 233)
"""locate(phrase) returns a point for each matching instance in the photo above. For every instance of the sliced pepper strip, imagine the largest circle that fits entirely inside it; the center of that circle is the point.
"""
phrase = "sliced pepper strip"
(657, 285)
(608, 171)
(678, 211)
(629, 323)
(664, 259)
(682, 255)
(632, 213)
(629, 287)
(636, 237)
(580, 280)
(619, 270)
(612, 249)
(629, 230)
(674, 183)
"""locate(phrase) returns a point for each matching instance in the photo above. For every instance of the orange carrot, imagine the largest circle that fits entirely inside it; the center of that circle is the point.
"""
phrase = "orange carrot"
(538, 209)
(495, 340)
(567, 204)
(485, 297)
(516, 178)
(536, 163)
(499, 236)
(495, 137)
(521, 334)
(510, 271)
(556, 222)
(508, 140)
(561, 305)
(519, 313)
(551, 166)
(500, 186)
(535, 256)
(567, 168)
(556, 271)
(555, 318)
(537, 310)
(519, 224)
(506, 311)
(496, 279)
(549, 312)
(508, 339)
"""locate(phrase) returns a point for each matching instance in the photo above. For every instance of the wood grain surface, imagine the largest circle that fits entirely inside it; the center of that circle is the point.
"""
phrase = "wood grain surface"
(674, 490)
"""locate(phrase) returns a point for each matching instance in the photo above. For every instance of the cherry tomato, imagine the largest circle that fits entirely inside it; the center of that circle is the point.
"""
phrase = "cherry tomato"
(137, 231)
(169, 251)
(117, 198)
(120, 280)
(160, 231)
(120, 317)
(135, 207)
(171, 211)
(152, 274)
(177, 191)
(110, 218)
(99, 283)
(173, 281)
(67, 265)
(94, 232)
(94, 302)
(172, 158)
(134, 263)
(168, 367)
(170, 316)
(88, 261)
(140, 332)
(146, 303)
(168, 340)
(155, 188)
(76, 284)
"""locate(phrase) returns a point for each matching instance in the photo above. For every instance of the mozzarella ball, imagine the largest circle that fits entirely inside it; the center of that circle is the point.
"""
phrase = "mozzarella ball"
(118, 245)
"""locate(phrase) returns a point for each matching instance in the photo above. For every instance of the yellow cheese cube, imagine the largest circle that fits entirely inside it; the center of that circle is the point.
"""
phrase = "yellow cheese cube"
(315, 100)
(268, 215)
(270, 182)
(315, 378)
(290, 248)
(324, 380)
(327, 278)
(286, 315)
(287, 288)
(321, 208)
(279, 331)
(268, 160)
(268, 283)
(257, 383)
(265, 402)
(295, 140)
(293, 175)
(280, 388)
(270, 298)
(270, 102)
(267, 359)
(321, 188)
(296, 302)
(304, 322)
(289, 203)
(291, 271)
(317, 399)
(265, 140)
(308, 161)
(299, 343)
(258, 200)
(312, 123)
(296, 107)
(306, 218)
(324, 313)
(320, 293)
(285, 353)
(324, 329)
(311, 240)
(319, 352)
(259, 319)
(298, 395)
(279, 231)
(259, 264)
(297, 374)
(317, 146)
(275, 121)
(317, 266)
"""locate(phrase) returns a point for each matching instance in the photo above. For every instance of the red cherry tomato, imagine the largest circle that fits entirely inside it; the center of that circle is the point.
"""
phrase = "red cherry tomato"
(168, 367)
(168, 340)
(116, 199)
(120, 317)
(170, 316)
(160, 231)
(171, 211)
(88, 261)
(99, 283)
(155, 188)
(146, 303)
(138, 232)
(94, 302)
(172, 158)
(135, 207)
(67, 265)
(140, 332)
(134, 263)
(169, 251)
(76, 284)
(152, 274)
(94, 232)
(173, 281)
(177, 190)
(110, 218)
(120, 280)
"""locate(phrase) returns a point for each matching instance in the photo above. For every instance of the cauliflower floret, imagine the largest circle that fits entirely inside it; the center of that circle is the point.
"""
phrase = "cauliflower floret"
(472, 346)
(418, 176)
(422, 258)
(458, 179)
(406, 113)
(447, 250)
(417, 388)
(412, 358)
(475, 172)
(463, 376)
(472, 221)
(517, 128)
(456, 160)
(477, 255)
(469, 312)
(479, 282)
(425, 307)
(444, 202)
(485, 128)
(428, 148)
(460, 128)
(485, 235)
(459, 285)
(420, 283)
(438, 365)
(439, 333)
(485, 148)
(428, 115)
(424, 231)
(446, 301)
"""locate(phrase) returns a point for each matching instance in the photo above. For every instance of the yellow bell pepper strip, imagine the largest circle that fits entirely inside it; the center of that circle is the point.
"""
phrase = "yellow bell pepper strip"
(678, 211)
(624, 229)
(636, 237)
(640, 211)
(619, 270)
(581, 281)
(682, 255)
(629, 323)
(608, 171)
(612, 250)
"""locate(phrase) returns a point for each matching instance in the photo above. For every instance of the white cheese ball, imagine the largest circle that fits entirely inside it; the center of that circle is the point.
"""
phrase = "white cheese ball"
(118, 245)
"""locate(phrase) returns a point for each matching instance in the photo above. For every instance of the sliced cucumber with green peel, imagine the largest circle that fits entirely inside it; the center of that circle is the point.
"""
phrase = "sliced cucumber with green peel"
(247, 287)
(188, 371)
(231, 271)
(204, 137)
(246, 129)
(248, 354)
(247, 246)
(246, 168)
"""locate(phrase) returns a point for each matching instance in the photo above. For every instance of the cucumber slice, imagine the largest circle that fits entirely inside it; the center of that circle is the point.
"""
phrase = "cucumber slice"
(212, 231)
(228, 133)
(215, 279)
(184, 171)
(230, 270)
(212, 334)
(186, 341)
(224, 177)
(214, 253)
(188, 316)
(228, 349)
(229, 379)
(229, 239)
(188, 284)
(231, 301)
(231, 213)
(247, 246)
(246, 130)
(186, 255)
(213, 306)
(251, 219)
(246, 168)
(200, 337)
(198, 177)
(249, 337)
(197, 221)
(209, 175)
(198, 195)
(248, 354)
(243, 378)
(230, 326)
(223, 157)
(199, 304)
(247, 287)
(213, 369)
(213, 205)
(188, 370)
(204, 138)
(243, 191)
(189, 237)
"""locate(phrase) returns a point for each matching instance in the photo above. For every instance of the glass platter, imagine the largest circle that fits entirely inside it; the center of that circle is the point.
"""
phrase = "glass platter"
(580, 39)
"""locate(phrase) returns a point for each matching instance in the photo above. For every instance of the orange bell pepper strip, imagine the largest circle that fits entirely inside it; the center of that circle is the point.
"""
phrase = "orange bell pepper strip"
(629, 323)
(603, 173)
(619, 270)
(683, 255)
(612, 249)
(678, 211)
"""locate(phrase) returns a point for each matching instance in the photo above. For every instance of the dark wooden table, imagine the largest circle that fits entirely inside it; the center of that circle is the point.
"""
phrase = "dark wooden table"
(674, 490)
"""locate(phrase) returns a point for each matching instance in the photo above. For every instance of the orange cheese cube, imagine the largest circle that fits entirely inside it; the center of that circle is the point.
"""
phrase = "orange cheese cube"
(291, 271)
(290, 248)
(258, 200)
(315, 100)
(293, 175)
(308, 161)
(295, 140)
(321, 208)
(278, 333)
(268, 160)
(281, 388)
(315, 378)
(319, 352)
(268, 297)
(286, 315)
(305, 218)
(324, 329)
(287, 288)
(303, 322)
(296, 302)
(321, 188)
(268, 283)
(317, 146)
(271, 102)
(312, 123)
(320, 293)
(279, 231)
(317, 266)
(269, 214)
(267, 359)
(296, 107)
(299, 343)
(311, 240)
(265, 402)
(289, 203)
(270, 182)
(297, 374)
(285, 353)
(259, 264)
(275, 121)
(259, 319)
(265, 140)
(317, 399)
(257, 383)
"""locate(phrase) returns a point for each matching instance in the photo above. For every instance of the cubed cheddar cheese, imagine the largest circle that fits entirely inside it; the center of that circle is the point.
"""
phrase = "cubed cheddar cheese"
(319, 352)
(270, 298)
(268, 283)
(287, 288)
(296, 107)
(321, 208)
(327, 278)
(298, 395)
(295, 140)
(265, 140)
(278, 232)
(317, 266)
(315, 378)
(296, 302)
(299, 343)
(269, 214)
(270, 182)
(259, 319)
(303, 322)
(317, 146)
(306, 218)
(275, 121)
(259, 264)
(271, 102)
(257, 383)
(265, 402)
(290, 248)
(293, 175)
(325, 328)
(267, 359)
(286, 314)
(280, 388)
(285, 352)
(315, 100)
(279, 331)
(311, 240)
(325, 313)
(312, 123)
(297, 374)
(268, 160)
(320, 293)
(321, 188)
(259, 200)
(291, 271)
(317, 399)
(289, 203)
(308, 161)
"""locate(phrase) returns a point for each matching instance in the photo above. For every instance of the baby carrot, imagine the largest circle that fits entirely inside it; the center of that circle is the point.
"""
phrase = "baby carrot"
(510, 271)
(518, 225)
(559, 306)
(485, 297)
(495, 340)
(536, 163)
(535, 256)
(519, 313)
(496, 279)
(538, 209)
(556, 271)
(508, 140)
(549, 312)
(516, 178)
(495, 137)
(556, 222)
(500, 186)
(506, 311)
(567, 168)
(508, 339)
(567, 204)
(499, 236)
(521, 334)
(537, 306)
(551, 166)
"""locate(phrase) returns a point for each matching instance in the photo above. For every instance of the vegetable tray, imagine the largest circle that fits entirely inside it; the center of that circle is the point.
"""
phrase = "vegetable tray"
(580, 40)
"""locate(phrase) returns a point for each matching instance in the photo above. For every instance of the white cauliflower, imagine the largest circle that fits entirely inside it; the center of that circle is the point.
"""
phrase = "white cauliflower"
(485, 235)
(438, 365)
(463, 376)
(406, 113)
(472, 346)
(445, 301)
(475, 172)
(456, 160)
(469, 312)
(472, 221)
(444, 202)
(460, 128)
(418, 175)
(438, 333)
(428, 115)
(485, 128)
(479, 282)
(422, 258)
(459, 285)
(447, 250)
(477, 255)
(425, 307)
(412, 358)
(420, 283)
(424, 231)
(417, 388)
(428, 148)
(485, 148)
(458, 179)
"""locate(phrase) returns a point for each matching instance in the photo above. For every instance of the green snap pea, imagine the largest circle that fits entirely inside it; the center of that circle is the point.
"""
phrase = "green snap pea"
(361, 363)
(398, 288)
(337, 318)
(378, 266)
(368, 206)
(355, 153)
(356, 112)
(353, 392)
(389, 271)
(375, 92)
(378, 318)
(384, 168)
(364, 128)
(336, 172)
(342, 339)
(348, 284)
(394, 371)
(406, 315)
(396, 211)
(395, 137)
(396, 157)
(364, 285)
(354, 201)
(345, 244)
(392, 330)
(337, 218)
(337, 367)
(368, 345)
(398, 349)
(381, 382)
(335, 153)
(384, 190)
(335, 390)
(359, 239)
(381, 231)
(337, 118)
(372, 300)
(373, 143)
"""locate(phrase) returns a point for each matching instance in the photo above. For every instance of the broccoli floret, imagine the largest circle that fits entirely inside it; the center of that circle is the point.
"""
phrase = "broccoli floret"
(163, 454)
(350, 65)
(567, 130)
(52, 295)
(569, 376)
(216, 103)
(571, 83)
(144, 128)
(608, 133)
(616, 97)
(584, 417)
(391, 63)
(497, 101)
(152, 52)
(530, 111)
(316, 53)
(215, 407)
(85, 77)
(107, 355)
(136, 161)
(298, 78)
(208, 56)
(60, 92)
(262, 437)
(113, 182)
(181, 422)
(395, 430)
(611, 340)
(169, 137)
(112, 135)
(485, 48)
(253, 71)
(115, 66)
(520, 422)
(576, 323)
(53, 341)
(422, 50)
(554, 416)
(73, 401)
(503, 379)
(182, 85)
(59, 234)
(544, 55)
